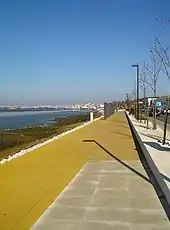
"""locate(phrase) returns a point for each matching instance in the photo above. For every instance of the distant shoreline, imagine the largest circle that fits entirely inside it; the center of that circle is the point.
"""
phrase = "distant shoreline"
(42, 109)
(23, 119)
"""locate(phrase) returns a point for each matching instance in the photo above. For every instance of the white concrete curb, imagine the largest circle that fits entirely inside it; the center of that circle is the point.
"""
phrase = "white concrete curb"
(24, 151)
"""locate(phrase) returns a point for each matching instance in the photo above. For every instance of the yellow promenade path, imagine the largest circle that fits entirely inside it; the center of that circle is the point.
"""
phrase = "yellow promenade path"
(29, 184)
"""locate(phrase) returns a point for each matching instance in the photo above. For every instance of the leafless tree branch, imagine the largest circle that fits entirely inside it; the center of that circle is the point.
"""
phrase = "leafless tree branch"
(144, 79)
(153, 71)
(162, 53)
(155, 67)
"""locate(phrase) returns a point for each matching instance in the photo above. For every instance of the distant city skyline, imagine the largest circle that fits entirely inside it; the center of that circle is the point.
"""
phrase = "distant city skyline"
(65, 52)
(43, 105)
(20, 108)
(48, 105)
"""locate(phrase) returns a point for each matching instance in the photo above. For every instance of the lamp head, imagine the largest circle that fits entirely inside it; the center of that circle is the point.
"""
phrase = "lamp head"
(135, 65)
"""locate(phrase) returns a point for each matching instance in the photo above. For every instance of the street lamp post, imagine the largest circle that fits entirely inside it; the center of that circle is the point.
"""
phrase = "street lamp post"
(137, 89)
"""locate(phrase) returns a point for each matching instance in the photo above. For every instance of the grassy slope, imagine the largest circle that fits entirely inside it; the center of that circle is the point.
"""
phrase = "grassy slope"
(13, 141)
(32, 140)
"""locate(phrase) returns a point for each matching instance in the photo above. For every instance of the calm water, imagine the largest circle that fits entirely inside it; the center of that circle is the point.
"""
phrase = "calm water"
(14, 120)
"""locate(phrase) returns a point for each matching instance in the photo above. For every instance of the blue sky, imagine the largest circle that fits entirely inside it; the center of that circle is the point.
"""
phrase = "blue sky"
(71, 51)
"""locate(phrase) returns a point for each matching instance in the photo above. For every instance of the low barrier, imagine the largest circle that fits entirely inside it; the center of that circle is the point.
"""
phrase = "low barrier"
(164, 192)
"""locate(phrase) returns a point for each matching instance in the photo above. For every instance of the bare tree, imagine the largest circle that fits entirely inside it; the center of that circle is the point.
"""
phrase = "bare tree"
(162, 53)
(127, 101)
(144, 86)
(133, 95)
(153, 72)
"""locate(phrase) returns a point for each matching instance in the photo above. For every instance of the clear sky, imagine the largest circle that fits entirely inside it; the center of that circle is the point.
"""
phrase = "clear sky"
(71, 51)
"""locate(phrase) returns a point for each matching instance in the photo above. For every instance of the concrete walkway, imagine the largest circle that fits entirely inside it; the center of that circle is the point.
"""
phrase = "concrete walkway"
(106, 195)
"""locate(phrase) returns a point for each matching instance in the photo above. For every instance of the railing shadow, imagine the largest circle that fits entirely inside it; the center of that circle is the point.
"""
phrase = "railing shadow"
(124, 134)
(120, 161)
(157, 146)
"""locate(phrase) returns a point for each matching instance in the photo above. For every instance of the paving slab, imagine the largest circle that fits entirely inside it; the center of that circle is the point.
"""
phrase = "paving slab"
(106, 195)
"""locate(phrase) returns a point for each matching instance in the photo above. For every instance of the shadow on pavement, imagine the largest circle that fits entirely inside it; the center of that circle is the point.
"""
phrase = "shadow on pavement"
(151, 136)
(119, 121)
(124, 134)
(157, 146)
(120, 161)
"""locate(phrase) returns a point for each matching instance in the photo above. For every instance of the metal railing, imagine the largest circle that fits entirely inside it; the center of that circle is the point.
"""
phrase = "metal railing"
(109, 109)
